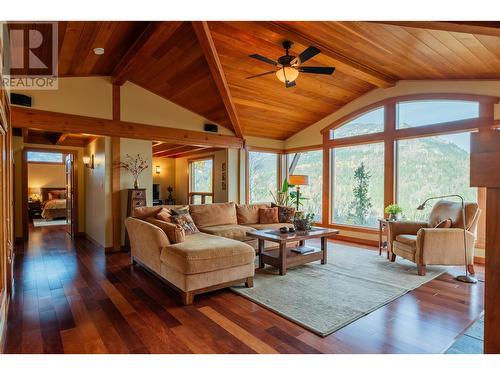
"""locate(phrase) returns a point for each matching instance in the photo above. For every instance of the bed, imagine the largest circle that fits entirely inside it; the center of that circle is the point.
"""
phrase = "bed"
(54, 203)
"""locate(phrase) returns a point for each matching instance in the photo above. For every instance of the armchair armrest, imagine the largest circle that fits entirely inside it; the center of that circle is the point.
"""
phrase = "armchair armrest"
(444, 246)
(404, 227)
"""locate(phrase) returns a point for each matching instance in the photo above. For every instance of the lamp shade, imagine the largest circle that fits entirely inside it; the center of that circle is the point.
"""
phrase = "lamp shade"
(298, 179)
(86, 160)
(35, 190)
(287, 73)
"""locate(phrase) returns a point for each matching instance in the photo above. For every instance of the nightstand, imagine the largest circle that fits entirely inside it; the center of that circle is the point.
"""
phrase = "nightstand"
(34, 209)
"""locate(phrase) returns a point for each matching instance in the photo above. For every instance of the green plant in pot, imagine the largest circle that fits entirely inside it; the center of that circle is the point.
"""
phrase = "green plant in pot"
(393, 210)
(303, 221)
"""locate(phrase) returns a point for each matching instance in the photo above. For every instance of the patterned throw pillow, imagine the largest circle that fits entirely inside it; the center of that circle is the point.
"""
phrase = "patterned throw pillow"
(186, 222)
(174, 232)
(268, 215)
(285, 213)
(180, 210)
(164, 215)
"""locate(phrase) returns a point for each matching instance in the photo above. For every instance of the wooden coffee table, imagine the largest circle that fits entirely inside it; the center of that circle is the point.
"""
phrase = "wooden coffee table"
(285, 257)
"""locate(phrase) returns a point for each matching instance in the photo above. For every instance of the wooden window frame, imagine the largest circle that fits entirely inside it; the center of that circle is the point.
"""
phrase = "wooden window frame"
(46, 162)
(391, 135)
(203, 194)
(279, 164)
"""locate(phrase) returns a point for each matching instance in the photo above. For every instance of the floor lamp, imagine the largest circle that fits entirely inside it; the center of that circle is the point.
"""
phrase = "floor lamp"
(463, 278)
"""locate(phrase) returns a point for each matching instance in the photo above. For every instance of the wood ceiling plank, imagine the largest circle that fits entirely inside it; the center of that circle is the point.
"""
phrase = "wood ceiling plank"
(141, 47)
(178, 151)
(61, 138)
(351, 66)
(207, 45)
(491, 28)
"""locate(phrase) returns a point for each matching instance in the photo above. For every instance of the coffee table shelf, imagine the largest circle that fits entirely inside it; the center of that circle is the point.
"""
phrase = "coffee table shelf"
(283, 257)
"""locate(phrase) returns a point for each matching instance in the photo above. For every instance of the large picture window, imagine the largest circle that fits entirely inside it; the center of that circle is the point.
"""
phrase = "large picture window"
(358, 184)
(311, 164)
(201, 180)
(432, 166)
(262, 176)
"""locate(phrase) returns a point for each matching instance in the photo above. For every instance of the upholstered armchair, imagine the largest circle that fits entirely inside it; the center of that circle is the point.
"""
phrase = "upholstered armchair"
(440, 240)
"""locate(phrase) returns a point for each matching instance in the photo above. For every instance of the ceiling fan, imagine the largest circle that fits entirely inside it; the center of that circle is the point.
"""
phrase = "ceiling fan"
(290, 66)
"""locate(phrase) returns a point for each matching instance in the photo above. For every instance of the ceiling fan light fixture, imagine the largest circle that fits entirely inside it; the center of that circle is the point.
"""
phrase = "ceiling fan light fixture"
(287, 73)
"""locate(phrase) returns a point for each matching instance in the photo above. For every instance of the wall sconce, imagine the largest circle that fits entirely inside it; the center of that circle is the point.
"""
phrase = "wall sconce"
(158, 169)
(89, 161)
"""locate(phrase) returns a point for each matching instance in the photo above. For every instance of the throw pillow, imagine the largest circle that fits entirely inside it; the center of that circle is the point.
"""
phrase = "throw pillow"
(285, 213)
(180, 211)
(174, 232)
(164, 215)
(186, 222)
(444, 224)
(268, 215)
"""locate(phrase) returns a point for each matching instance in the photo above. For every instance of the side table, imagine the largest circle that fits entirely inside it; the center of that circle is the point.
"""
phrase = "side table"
(383, 228)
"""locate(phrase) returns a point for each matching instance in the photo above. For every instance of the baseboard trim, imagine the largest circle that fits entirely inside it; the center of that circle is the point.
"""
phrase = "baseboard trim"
(360, 241)
(479, 260)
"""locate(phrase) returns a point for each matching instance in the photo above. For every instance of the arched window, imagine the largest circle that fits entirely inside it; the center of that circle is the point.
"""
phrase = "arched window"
(367, 123)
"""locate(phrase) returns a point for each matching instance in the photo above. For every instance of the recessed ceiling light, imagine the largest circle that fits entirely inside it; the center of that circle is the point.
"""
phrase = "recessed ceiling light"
(99, 51)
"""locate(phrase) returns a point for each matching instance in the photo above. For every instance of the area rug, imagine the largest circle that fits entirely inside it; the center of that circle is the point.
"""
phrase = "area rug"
(47, 223)
(325, 298)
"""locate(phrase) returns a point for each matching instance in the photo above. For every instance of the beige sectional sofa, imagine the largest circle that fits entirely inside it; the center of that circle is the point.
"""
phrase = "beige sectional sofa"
(220, 255)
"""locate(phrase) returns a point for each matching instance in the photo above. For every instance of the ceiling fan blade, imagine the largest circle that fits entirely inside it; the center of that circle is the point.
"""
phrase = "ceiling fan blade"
(261, 74)
(308, 53)
(289, 84)
(316, 69)
(264, 59)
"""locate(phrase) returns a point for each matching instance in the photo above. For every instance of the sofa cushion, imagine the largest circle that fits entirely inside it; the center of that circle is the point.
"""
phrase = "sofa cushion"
(274, 226)
(164, 215)
(207, 215)
(268, 215)
(409, 240)
(203, 252)
(174, 232)
(186, 222)
(234, 232)
(444, 224)
(249, 213)
(148, 211)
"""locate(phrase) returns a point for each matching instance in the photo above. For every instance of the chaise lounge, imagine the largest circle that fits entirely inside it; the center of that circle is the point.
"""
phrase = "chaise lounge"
(218, 256)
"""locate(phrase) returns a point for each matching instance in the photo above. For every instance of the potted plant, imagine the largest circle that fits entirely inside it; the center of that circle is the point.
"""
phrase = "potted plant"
(393, 210)
(135, 166)
(303, 221)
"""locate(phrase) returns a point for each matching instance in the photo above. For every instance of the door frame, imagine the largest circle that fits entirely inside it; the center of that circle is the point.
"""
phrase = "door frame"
(24, 186)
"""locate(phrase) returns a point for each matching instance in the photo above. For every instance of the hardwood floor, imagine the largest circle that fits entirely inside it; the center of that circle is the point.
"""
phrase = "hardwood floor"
(71, 298)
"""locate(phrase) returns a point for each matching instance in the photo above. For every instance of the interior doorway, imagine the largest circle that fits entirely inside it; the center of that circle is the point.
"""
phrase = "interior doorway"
(49, 195)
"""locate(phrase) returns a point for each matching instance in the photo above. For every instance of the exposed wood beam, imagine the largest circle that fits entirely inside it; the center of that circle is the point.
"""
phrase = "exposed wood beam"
(179, 151)
(470, 27)
(54, 121)
(61, 138)
(342, 62)
(208, 47)
(25, 133)
(201, 151)
(140, 48)
(165, 147)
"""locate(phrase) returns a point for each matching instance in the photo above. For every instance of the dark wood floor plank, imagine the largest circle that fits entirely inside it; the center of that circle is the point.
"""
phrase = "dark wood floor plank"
(69, 296)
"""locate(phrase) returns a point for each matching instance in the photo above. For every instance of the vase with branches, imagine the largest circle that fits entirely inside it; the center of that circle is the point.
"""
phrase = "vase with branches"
(135, 166)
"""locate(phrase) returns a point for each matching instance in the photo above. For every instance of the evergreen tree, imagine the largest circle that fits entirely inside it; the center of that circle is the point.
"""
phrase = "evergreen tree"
(361, 204)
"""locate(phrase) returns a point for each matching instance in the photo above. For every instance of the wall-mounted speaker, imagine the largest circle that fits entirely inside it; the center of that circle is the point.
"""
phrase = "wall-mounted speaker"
(20, 99)
(211, 128)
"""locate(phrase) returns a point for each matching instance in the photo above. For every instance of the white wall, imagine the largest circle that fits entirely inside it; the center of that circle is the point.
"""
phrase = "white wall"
(95, 193)
(145, 149)
(46, 175)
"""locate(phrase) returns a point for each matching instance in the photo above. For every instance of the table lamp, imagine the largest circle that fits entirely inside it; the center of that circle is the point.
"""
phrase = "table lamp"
(298, 180)
(34, 193)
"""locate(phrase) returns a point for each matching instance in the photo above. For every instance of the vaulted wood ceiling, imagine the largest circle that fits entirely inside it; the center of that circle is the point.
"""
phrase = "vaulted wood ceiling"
(168, 59)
